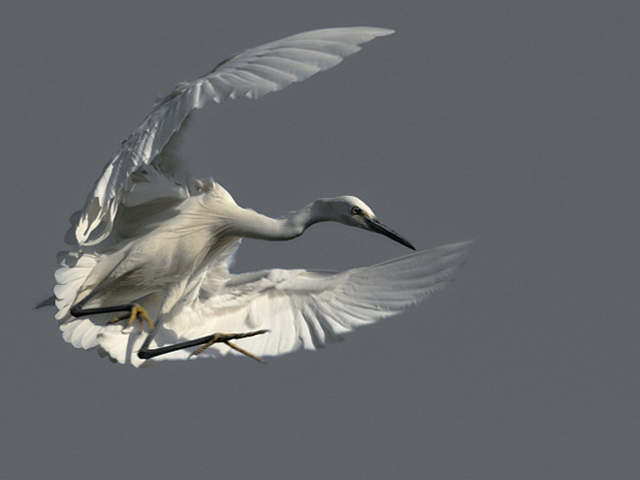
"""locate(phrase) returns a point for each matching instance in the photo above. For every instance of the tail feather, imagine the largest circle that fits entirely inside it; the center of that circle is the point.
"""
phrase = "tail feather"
(49, 302)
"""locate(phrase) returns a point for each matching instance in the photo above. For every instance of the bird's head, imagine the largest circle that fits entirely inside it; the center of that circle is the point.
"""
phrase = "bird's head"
(354, 212)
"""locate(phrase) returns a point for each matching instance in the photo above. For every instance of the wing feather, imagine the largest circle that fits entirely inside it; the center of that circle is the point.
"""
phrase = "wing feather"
(306, 309)
(251, 74)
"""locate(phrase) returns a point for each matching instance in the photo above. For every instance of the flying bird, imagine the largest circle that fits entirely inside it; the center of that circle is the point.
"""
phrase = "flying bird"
(147, 275)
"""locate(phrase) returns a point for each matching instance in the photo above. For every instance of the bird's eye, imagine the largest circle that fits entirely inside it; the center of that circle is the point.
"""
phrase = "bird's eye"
(356, 211)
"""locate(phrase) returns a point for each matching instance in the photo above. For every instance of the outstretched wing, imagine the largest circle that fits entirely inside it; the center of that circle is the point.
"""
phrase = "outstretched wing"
(299, 308)
(251, 74)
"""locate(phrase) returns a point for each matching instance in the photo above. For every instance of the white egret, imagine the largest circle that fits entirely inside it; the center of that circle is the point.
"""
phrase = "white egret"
(155, 243)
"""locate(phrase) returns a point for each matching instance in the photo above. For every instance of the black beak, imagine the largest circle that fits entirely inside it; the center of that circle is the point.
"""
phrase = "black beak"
(375, 226)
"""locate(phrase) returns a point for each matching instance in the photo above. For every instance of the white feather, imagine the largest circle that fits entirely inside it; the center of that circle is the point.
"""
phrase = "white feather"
(251, 74)
(152, 234)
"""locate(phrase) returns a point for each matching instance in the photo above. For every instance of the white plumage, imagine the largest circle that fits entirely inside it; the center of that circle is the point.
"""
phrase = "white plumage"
(151, 234)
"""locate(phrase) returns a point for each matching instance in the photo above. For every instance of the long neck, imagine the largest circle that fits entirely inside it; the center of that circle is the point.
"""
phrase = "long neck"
(250, 224)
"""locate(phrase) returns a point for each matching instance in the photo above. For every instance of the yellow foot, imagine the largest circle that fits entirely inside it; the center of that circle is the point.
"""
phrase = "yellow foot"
(137, 313)
(226, 337)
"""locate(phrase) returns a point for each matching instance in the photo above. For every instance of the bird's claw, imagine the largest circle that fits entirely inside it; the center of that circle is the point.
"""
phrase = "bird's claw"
(226, 338)
(137, 313)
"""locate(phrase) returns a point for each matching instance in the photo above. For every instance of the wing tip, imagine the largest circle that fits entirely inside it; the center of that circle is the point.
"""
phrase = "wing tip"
(383, 32)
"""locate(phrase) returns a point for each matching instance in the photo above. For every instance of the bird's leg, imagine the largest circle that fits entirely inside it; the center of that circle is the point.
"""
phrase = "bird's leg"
(226, 337)
(136, 312)
(145, 353)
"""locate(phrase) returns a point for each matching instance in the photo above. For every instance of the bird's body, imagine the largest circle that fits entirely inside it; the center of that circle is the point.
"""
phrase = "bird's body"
(151, 235)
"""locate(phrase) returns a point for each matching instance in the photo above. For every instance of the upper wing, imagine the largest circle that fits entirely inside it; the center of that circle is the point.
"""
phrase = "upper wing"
(298, 308)
(251, 74)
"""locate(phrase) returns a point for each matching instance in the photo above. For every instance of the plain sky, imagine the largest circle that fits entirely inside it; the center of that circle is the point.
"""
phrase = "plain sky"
(515, 124)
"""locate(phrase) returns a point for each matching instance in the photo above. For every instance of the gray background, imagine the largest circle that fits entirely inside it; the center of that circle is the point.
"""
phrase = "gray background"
(514, 124)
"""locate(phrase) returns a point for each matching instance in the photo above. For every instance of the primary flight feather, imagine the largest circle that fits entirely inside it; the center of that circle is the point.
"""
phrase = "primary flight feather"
(155, 243)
